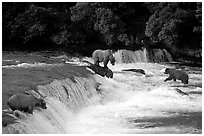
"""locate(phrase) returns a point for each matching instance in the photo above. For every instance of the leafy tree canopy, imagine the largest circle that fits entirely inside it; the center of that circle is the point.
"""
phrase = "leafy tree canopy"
(176, 26)
(172, 24)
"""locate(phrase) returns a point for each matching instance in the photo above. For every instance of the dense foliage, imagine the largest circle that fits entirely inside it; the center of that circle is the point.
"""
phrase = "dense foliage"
(172, 24)
(87, 26)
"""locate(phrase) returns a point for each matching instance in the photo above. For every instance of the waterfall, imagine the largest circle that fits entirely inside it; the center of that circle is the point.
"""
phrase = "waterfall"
(64, 98)
(127, 56)
(159, 55)
(155, 55)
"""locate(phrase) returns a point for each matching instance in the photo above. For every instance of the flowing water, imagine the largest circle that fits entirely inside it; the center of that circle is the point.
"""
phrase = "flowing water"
(130, 103)
(143, 55)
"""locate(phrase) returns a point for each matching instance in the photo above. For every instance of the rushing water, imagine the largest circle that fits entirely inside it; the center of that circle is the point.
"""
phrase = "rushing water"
(130, 103)
(144, 55)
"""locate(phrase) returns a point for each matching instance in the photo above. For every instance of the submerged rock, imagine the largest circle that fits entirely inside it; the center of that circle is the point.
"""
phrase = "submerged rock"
(135, 70)
(181, 92)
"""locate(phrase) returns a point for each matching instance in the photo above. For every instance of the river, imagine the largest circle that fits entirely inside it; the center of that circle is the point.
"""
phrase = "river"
(129, 103)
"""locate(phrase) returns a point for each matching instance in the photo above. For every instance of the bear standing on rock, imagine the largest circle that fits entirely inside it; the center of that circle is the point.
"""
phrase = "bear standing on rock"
(103, 56)
(176, 74)
(26, 103)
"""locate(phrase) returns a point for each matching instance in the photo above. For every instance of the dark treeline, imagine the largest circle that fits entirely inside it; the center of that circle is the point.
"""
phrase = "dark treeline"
(84, 27)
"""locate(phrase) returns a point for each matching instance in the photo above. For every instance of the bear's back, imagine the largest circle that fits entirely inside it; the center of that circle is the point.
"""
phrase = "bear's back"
(20, 100)
(99, 54)
(108, 53)
(180, 74)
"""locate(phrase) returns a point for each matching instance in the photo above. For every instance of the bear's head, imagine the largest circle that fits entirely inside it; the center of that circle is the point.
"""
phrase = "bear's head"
(41, 103)
(167, 71)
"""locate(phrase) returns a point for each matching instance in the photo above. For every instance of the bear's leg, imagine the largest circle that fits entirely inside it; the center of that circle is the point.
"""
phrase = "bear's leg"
(30, 109)
(105, 64)
(169, 78)
(96, 62)
(185, 81)
(16, 114)
(12, 108)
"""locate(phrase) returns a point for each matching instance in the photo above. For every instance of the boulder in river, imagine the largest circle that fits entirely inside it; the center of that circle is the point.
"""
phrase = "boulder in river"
(103, 71)
(135, 70)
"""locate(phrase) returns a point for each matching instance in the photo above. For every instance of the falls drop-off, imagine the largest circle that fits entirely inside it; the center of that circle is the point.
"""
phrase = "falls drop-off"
(144, 55)
(64, 98)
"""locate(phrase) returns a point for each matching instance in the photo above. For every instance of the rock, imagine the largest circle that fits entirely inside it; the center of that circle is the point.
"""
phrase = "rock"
(135, 70)
(103, 71)
(181, 92)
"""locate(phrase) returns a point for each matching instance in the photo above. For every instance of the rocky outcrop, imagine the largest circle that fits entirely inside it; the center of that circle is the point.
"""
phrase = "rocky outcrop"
(181, 92)
(103, 71)
(135, 70)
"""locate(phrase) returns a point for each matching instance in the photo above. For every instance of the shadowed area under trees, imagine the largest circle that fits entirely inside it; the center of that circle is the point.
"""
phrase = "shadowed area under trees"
(84, 27)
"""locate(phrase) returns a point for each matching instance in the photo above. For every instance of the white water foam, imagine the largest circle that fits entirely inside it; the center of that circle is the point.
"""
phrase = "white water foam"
(133, 97)
(47, 121)
(28, 65)
(123, 102)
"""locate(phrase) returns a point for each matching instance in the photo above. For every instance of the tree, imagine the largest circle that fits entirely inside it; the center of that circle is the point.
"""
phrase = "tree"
(9, 12)
(97, 18)
(171, 24)
(174, 25)
(36, 23)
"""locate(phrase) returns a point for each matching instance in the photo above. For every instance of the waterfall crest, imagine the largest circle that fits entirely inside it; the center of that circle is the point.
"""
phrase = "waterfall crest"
(159, 55)
(127, 56)
(144, 56)
(64, 99)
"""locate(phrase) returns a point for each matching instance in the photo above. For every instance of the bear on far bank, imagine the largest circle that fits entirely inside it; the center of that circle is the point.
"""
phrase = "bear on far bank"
(103, 56)
(176, 74)
(26, 103)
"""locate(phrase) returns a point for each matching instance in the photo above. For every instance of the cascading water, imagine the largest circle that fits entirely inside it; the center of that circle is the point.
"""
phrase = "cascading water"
(64, 98)
(129, 103)
(159, 55)
(144, 56)
(126, 56)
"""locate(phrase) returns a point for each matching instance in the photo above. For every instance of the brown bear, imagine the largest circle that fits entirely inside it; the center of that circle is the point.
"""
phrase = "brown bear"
(103, 56)
(176, 74)
(26, 103)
